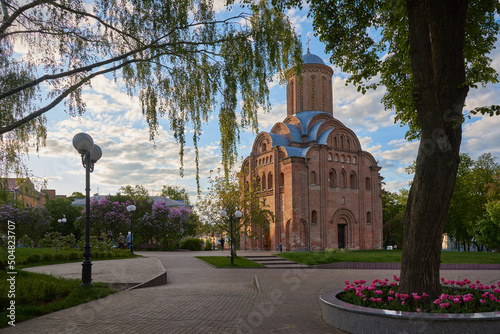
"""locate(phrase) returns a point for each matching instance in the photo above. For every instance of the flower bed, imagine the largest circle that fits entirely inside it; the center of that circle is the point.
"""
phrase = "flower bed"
(457, 297)
(378, 308)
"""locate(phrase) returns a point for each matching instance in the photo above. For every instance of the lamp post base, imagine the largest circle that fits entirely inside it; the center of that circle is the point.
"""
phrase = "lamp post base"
(86, 273)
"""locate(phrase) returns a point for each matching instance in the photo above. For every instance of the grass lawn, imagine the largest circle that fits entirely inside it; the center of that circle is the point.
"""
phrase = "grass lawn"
(311, 258)
(32, 257)
(39, 294)
(225, 262)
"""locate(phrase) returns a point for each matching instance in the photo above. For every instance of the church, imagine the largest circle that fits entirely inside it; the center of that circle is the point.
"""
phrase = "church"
(323, 189)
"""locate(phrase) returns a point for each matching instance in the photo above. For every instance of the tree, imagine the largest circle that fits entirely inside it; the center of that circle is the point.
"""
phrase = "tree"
(34, 222)
(468, 203)
(74, 195)
(230, 195)
(178, 56)
(427, 53)
(393, 210)
(175, 193)
(461, 202)
(59, 207)
(487, 230)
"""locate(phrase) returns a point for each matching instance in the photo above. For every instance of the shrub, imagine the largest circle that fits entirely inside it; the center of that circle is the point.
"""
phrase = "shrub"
(57, 241)
(101, 246)
(34, 258)
(208, 245)
(337, 250)
(47, 257)
(193, 244)
(74, 256)
(26, 241)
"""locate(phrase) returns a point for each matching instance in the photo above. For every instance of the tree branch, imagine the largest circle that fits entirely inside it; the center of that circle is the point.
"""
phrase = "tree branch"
(8, 20)
(64, 94)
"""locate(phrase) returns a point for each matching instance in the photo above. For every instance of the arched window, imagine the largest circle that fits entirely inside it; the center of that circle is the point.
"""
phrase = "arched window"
(267, 160)
(313, 177)
(352, 180)
(344, 179)
(335, 142)
(342, 158)
(258, 182)
(314, 217)
(368, 184)
(336, 157)
(368, 217)
(354, 160)
(263, 181)
(282, 180)
(270, 181)
(348, 159)
(342, 142)
(264, 147)
(333, 179)
(330, 157)
(348, 144)
(271, 159)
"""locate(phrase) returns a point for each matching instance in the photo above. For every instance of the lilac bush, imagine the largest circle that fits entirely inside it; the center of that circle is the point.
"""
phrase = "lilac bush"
(106, 215)
(167, 224)
(457, 297)
(30, 221)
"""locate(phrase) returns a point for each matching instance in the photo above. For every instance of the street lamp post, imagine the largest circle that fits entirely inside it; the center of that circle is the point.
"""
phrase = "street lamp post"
(62, 221)
(90, 153)
(131, 209)
(238, 214)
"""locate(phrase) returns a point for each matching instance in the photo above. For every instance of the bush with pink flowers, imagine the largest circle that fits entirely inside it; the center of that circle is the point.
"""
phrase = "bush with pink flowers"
(457, 297)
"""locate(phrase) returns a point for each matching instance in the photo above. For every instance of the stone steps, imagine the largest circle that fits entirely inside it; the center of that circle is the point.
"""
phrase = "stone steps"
(272, 261)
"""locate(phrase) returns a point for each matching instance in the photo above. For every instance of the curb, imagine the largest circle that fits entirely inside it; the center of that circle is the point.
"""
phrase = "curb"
(155, 281)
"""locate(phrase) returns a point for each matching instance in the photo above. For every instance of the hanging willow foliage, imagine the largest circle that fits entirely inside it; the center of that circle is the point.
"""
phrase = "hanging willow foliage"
(179, 56)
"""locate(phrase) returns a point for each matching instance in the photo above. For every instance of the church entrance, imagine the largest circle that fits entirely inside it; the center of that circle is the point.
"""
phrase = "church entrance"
(341, 235)
(267, 239)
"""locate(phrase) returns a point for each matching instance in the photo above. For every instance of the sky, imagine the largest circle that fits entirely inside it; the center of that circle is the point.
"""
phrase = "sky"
(115, 122)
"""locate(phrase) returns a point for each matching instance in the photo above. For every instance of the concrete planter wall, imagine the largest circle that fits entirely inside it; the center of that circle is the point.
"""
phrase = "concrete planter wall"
(357, 319)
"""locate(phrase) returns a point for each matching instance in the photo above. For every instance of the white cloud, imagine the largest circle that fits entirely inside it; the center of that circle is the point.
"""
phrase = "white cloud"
(482, 136)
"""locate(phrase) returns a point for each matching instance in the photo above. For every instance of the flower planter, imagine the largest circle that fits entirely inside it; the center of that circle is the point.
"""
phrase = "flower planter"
(358, 319)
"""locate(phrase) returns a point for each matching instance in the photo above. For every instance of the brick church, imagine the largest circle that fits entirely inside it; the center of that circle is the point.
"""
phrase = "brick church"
(324, 190)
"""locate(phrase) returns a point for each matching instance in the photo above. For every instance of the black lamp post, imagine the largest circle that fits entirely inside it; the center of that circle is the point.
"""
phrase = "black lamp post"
(62, 221)
(131, 209)
(237, 214)
(90, 153)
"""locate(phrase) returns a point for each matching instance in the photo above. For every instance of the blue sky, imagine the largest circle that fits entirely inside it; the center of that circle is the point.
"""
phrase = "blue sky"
(116, 123)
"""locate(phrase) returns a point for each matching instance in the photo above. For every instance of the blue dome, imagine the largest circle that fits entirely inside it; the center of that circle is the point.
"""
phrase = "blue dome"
(310, 58)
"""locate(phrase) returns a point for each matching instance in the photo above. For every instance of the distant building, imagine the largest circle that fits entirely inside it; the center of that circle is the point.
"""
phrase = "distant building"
(23, 190)
(323, 189)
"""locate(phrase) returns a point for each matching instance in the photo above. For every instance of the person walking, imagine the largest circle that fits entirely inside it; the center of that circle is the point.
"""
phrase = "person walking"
(281, 248)
(129, 239)
(222, 243)
(121, 241)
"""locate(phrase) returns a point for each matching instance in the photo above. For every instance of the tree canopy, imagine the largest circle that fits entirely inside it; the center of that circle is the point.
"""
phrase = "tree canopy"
(428, 54)
(179, 56)
(230, 194)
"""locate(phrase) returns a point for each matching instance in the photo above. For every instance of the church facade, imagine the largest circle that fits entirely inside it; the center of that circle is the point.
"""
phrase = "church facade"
(323, 189)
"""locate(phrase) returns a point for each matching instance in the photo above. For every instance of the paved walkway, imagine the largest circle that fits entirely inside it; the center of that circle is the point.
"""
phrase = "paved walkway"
(199, 298)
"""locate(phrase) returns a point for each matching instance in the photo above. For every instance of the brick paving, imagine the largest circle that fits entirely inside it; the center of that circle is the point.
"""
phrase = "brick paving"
(199, 298)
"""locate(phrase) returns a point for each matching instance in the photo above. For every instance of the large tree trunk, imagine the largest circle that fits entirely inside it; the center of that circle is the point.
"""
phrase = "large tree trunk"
(437, 34)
